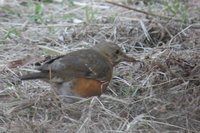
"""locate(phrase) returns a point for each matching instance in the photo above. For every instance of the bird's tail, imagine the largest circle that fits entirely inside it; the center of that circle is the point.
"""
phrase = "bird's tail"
(30, 76)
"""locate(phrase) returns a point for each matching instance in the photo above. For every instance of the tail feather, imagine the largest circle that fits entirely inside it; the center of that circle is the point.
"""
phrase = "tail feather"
(30, 76)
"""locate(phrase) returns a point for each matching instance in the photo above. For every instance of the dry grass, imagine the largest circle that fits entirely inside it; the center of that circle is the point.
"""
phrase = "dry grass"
(160, 95)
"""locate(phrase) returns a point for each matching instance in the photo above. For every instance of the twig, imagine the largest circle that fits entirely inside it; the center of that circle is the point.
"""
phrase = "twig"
(141, 11)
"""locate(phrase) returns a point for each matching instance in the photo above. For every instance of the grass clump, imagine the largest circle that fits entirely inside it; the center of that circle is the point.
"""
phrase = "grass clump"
(176, 8)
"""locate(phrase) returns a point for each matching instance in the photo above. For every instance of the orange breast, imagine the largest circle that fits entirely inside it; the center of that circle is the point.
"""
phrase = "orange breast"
(89, 87)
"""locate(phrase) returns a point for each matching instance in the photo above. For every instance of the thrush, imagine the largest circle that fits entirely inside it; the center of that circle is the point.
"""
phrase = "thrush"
(82, 73)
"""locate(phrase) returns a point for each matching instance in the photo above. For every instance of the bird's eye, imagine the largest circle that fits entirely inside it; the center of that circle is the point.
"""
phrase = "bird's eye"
(117, 52)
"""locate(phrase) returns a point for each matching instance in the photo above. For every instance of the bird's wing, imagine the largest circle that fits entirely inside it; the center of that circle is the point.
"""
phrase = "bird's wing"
(84, 63)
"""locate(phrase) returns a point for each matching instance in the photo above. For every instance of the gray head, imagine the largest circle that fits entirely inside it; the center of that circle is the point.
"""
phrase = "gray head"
(113, 52)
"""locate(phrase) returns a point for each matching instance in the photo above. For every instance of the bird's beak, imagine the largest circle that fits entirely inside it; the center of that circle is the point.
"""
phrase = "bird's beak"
(126, 58)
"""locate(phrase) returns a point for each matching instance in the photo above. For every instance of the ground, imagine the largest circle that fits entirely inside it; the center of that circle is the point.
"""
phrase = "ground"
(159, 94)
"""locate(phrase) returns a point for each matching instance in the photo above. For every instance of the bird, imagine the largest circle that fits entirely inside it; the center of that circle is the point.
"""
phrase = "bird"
(83, 73)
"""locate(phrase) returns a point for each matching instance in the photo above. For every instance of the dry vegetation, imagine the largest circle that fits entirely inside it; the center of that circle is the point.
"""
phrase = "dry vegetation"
(162, 94)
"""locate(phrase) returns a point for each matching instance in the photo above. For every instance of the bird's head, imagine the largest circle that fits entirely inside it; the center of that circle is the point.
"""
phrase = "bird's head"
(113, 53)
